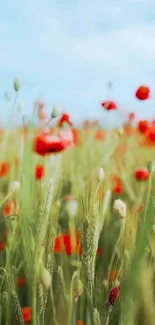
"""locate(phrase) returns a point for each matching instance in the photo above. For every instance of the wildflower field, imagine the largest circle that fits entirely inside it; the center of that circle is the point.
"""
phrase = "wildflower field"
(77, 222)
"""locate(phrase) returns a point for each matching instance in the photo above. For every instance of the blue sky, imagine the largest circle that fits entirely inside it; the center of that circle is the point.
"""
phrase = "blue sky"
(65, 52)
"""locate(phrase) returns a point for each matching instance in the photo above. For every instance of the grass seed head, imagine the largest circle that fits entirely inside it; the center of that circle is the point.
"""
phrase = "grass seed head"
(119, 207)
(101, 174)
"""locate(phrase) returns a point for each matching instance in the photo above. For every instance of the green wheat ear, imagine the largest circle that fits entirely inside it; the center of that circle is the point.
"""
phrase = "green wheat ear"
(41, 298)
(18, 308)
(96, 317)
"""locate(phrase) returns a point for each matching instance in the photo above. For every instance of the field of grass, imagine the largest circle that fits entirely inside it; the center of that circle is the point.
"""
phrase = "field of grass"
(77, 229)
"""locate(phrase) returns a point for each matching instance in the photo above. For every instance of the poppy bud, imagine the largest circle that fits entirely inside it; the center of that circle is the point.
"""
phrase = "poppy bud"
(17, 85)
(109, 105)
(65, 119)
(114, 294)
(72, 206)
(55, 112)
(15, 186)
(78, 287)
(45, 278)
(151, 166)
(100, 174)
(120, 208)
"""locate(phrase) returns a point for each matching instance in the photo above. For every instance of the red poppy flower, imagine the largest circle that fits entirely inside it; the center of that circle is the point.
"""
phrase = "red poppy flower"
(4, 168)
(21, 281)
(39, 172)
(70, 244)
(109, 105)
(9, 208)
(150, 135)
(143, 126)
(46, 144)
(59, 244)
(142, 174)
(143, 93)
(27, 314)
(2, 246)
(65, 118)
(117, 185)
(114, 294)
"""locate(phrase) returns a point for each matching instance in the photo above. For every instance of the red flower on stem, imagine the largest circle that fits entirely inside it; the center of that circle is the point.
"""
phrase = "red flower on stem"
(70, 244)
(109, 105)
(4, 169)
(150, 135)
(65, 118)
(142, 174)
(9, 208)
(46, 144)
(27, 314)
(117, 185)
(143, 92)
(114, 294)
(39, 172)
(143, 126)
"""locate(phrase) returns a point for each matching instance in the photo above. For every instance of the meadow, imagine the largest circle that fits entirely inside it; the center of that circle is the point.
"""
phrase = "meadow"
(77, 223)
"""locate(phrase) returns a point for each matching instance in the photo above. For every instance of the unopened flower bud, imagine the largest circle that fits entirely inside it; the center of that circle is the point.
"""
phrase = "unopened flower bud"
(45, 278)
(15, 186)
(120, 208)
(114, 294)
(17, 85)
(151, 166)
(100, 174)
(71, 206)
(78, 287)
(55, 112)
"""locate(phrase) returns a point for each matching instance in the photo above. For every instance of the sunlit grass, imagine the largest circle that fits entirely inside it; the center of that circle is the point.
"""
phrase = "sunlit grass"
(59, 257)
